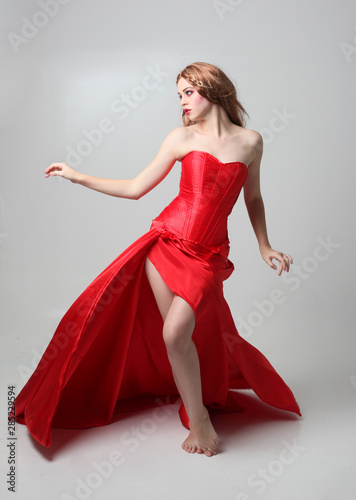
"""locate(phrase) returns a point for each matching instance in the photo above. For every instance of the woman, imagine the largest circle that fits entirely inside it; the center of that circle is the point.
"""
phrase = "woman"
(155, 322)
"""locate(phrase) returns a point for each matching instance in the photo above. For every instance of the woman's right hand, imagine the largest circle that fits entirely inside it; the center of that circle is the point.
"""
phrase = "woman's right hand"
(63, 170)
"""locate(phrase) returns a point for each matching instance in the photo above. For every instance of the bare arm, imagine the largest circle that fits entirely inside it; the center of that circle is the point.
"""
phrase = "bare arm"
(135, 188)
(253, 198)
(256, 211)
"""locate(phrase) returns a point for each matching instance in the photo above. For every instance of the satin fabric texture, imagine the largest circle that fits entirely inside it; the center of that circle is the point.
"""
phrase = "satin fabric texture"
(108, 356)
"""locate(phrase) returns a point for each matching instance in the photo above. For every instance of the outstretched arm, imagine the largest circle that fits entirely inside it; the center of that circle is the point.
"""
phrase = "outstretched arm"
(256, 211)
(146, 180)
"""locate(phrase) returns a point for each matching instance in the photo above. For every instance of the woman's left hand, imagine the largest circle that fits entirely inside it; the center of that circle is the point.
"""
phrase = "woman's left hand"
(268, 254)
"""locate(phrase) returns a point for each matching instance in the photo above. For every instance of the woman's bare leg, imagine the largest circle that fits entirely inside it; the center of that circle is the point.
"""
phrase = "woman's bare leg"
(182, 353)
(179, 323)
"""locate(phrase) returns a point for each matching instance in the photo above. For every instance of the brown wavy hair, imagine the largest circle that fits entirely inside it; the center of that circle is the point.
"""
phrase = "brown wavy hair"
(213, 84)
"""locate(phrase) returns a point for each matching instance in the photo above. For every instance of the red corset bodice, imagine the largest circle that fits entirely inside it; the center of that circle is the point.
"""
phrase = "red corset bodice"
(208, 191)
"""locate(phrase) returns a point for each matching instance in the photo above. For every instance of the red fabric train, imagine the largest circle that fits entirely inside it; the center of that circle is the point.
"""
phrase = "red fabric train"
(107, 354)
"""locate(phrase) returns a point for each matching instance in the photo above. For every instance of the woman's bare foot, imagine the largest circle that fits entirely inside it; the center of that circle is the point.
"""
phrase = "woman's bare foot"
(202, 437)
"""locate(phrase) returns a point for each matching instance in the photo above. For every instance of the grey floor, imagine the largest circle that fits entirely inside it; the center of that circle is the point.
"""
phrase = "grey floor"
(264, 453)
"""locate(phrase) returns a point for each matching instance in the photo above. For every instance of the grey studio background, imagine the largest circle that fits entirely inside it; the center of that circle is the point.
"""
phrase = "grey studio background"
(66, 69)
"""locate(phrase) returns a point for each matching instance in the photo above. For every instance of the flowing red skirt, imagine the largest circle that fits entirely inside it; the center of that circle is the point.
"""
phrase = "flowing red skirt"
(108, 356)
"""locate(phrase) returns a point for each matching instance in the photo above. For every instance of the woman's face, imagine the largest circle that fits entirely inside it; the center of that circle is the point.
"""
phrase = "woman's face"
(194, 104)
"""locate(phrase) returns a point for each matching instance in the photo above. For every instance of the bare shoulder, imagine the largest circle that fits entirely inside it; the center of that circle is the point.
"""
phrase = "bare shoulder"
(252, 137)
(175, 140)
(177, 133)
(254, 141)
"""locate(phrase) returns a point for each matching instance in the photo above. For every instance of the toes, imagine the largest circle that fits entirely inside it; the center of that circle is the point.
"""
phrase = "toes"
(189, 448)
(209, 452)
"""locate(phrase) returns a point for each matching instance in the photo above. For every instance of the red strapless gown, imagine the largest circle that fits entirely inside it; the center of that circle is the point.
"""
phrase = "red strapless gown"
(107, 354)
